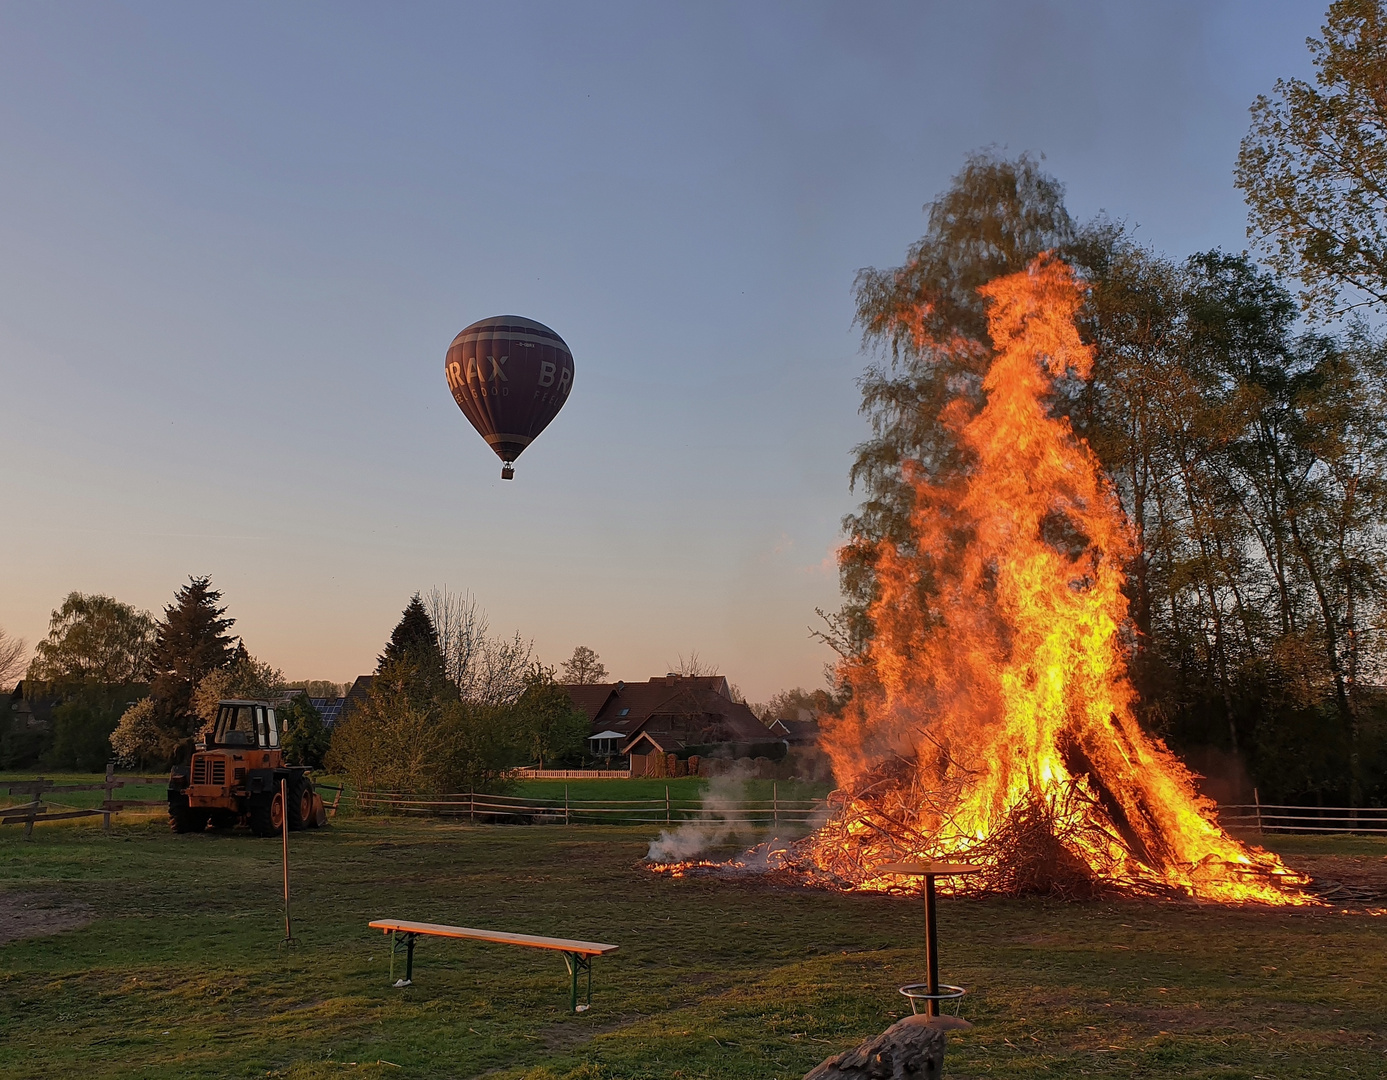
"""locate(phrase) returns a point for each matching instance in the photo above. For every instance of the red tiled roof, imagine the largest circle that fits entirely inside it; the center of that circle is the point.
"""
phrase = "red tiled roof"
(675, 711)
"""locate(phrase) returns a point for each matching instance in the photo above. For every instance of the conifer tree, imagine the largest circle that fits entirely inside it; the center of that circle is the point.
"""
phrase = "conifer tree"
(191, 641)
(414, 645)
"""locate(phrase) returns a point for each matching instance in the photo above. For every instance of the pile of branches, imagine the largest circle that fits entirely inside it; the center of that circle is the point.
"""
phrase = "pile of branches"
(895, 815)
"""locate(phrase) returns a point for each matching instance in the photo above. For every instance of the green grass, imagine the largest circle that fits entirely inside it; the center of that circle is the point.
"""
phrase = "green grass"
(80, 800)
(179, 973)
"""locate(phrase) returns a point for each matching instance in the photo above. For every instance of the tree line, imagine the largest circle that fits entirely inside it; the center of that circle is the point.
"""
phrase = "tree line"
(452, 708)
(449, 709)
(1245, 434)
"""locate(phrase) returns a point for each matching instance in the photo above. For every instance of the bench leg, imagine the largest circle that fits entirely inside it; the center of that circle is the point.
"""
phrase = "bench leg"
(408, 980)
(577, 963)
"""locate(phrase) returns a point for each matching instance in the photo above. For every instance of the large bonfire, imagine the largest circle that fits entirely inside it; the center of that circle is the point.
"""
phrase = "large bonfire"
(991, 716)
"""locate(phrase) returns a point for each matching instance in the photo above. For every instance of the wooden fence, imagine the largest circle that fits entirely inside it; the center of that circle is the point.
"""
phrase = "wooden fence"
(1370, 820)
(35, 811)
(480, 806)
(37, 788)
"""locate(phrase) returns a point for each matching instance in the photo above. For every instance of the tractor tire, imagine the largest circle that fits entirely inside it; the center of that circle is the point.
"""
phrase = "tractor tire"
(183, 818)
(267, 814)
(180, 816)
(300, 802)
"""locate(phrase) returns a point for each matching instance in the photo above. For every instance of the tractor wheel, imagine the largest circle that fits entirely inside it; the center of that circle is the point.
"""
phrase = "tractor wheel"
(300, 802)
(267, 814)
(180, 816)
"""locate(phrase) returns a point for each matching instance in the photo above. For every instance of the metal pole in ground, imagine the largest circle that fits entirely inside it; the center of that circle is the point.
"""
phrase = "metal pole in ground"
(565, 804)
(666, 804)
(284, 834)
(775, 804)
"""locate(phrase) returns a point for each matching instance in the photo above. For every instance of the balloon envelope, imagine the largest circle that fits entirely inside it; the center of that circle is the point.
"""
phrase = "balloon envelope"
(510, 376)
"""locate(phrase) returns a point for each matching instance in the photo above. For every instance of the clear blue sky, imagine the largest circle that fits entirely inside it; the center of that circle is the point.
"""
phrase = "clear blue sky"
(237, 239)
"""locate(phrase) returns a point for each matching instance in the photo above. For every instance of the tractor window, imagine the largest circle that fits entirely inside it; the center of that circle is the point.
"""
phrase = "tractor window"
(269, 729)
(235, 725)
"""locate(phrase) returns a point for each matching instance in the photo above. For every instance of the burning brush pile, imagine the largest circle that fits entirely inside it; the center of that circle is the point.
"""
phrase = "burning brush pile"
(991, 718)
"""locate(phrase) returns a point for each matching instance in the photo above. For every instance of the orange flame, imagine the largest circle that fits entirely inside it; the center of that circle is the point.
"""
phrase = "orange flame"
(991, 716)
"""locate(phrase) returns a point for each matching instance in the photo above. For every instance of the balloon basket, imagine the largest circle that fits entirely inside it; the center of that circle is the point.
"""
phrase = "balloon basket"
(508, 471)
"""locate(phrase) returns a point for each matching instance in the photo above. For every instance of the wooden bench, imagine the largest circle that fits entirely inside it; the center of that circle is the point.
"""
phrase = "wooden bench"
(577, 955)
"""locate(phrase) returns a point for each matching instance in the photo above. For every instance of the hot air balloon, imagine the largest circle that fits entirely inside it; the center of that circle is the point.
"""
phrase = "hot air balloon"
(510, 376)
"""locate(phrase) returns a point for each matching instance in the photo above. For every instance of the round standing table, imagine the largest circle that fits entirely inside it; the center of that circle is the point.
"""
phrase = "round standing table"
(929, 871)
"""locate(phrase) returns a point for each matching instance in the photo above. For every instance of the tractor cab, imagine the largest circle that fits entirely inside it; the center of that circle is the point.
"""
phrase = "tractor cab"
(243, 725)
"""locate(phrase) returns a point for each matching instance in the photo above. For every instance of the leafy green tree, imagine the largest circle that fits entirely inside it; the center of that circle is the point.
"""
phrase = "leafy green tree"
(928, 320)
(140, 739)
(1313, 166)
(84, 722)
(94, 639)
(796, 704)
(406, 739)
(544, 723)
(244, 677)
(305, 739)
(320, 688)
(584, 666)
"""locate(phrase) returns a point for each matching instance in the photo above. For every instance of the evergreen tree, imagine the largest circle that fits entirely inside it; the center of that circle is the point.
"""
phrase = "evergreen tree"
(414, 644)
(191, 641)
(305, 738)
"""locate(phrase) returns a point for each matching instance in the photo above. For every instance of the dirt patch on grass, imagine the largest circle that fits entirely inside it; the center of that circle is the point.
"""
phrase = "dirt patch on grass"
(1362, 870)
(26, 914)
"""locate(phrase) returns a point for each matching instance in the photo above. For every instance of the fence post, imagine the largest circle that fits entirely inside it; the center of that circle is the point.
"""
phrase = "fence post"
(667, 804)
(472, 806)
(1257, 802)
(33, 808)
(565, 804)
(775, 804)
(109, 786)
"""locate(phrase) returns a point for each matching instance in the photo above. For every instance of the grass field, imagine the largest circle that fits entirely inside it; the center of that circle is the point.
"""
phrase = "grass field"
(166, 964)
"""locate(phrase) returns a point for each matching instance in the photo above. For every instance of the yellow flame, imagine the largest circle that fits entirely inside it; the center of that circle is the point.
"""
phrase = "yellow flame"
(996, 680)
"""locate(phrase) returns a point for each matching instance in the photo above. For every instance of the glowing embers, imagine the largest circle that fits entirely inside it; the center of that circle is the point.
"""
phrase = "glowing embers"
(991, 715)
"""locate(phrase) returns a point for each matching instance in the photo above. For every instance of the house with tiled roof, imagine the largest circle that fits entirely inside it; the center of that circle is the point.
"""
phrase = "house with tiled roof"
(671, 714)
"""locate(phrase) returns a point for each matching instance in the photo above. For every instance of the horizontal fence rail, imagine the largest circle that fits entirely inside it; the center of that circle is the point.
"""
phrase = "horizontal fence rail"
(36, 811)
(480, 806)
(1371, 820)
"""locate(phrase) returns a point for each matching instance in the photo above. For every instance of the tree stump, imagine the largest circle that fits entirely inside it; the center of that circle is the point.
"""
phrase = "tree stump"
(910, 1049)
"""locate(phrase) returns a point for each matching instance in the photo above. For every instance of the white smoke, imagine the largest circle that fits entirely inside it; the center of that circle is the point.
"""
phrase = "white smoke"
(718, 820)
(722, 817)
